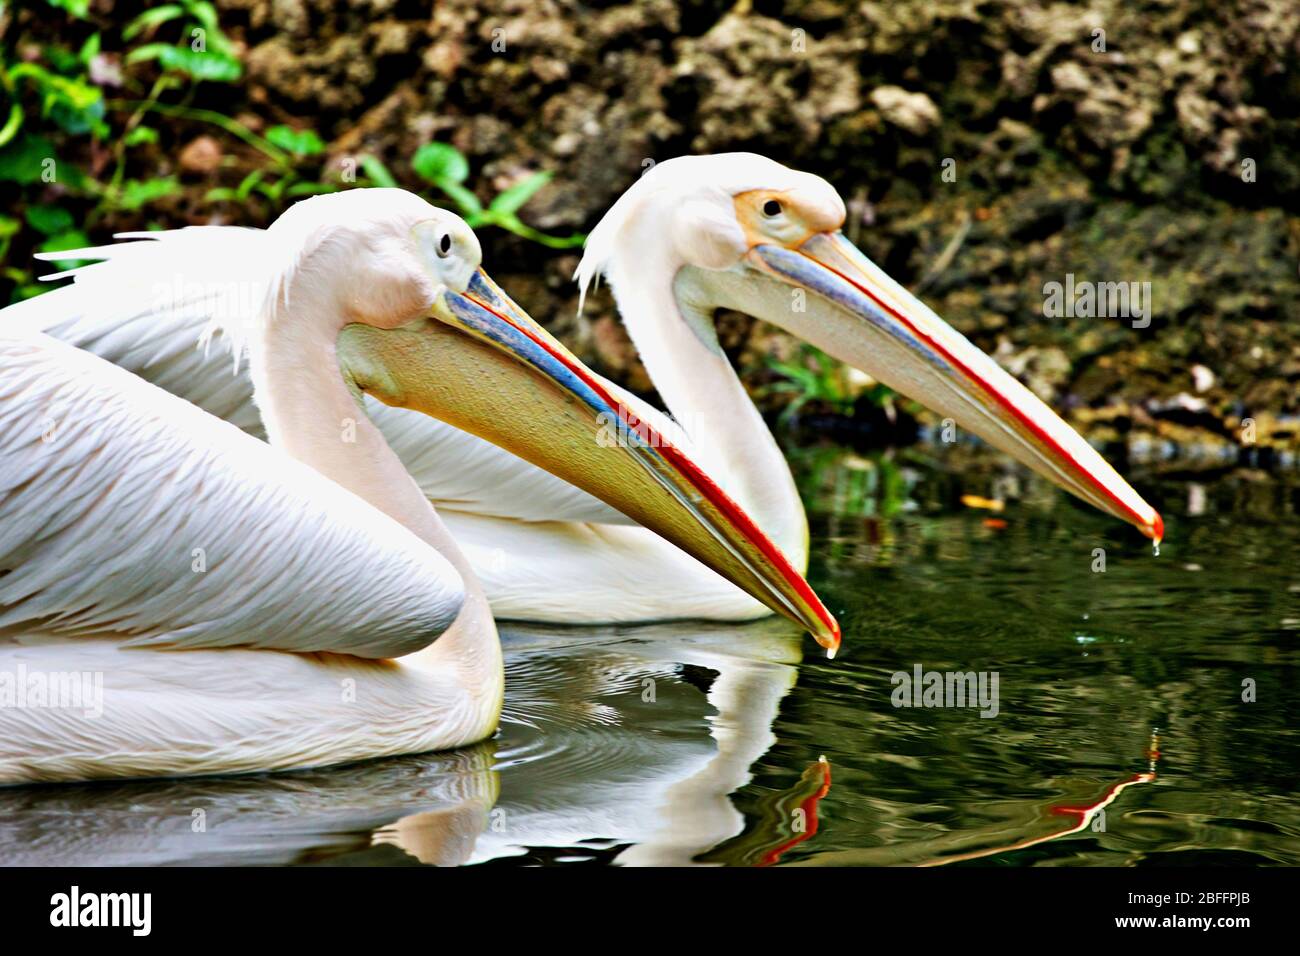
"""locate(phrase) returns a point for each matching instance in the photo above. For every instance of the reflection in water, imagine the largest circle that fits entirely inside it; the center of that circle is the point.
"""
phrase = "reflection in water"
(1089, 814)
(785, 820)
(652, 789)
(601, 746)
(258, 819)
(1198, 642)
(696, 743)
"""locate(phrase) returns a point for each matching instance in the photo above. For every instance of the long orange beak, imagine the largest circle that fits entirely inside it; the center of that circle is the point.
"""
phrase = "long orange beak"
(871, 322)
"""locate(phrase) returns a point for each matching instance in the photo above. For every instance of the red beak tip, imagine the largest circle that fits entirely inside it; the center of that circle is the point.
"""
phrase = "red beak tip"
(1156, 529)
(830, 639)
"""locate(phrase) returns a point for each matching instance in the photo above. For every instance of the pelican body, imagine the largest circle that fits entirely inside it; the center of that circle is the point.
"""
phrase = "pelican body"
(692, 235)
(228, 604)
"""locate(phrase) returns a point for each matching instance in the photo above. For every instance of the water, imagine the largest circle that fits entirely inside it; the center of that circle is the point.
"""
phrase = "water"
(1121, 735)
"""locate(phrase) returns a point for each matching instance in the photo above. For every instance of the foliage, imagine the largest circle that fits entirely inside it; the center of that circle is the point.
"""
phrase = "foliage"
(445, 167)
(835, 480)
(68, 151)
(284, 147)
(814, 377)
(55, 104)
(209, 55)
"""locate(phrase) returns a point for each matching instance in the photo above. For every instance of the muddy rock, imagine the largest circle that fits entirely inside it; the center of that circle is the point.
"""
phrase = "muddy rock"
(913, 112)
(201, 155)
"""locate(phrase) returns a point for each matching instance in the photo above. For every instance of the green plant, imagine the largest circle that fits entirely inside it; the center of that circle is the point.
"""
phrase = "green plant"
(209, 54)
(54, 104)
(445, 167)
(282, 179)
(54, 115)
(66, 97)
(816, 377)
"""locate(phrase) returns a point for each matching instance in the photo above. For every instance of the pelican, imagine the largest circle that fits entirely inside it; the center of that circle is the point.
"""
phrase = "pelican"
(740, 231)
(178, 597)
(692, 235)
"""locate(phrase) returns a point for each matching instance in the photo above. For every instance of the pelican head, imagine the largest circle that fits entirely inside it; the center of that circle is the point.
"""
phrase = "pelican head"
(390, 288)
(741, 231)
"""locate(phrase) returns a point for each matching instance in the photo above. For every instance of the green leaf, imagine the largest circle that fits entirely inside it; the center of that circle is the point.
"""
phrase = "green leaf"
(29, 290)
(248, 184)
(78, 121)
(510, 201)
(141, 134)
(206, 65)
(76, 8)
(298, 142)
(63, 59)
(24, 160)
(70, 239)
(9, 227)
(48, 220)
(77, 106)
(310, 189)
(377, 172)
(136, 193)
(272, 191)
(12, 124)
(152, 18)
(150, 51)
(440, 163)
(205, 13)
(218, 42)
(462, 197)
(89, 49)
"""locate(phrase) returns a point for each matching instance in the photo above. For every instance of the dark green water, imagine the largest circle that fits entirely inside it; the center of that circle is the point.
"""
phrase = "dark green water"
(1121, 735)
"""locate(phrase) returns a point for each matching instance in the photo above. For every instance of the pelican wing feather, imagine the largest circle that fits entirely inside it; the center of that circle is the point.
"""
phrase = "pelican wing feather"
(127, 512)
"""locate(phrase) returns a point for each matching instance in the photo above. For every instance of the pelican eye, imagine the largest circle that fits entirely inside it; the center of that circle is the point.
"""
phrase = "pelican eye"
(771, 208)
(444, 245)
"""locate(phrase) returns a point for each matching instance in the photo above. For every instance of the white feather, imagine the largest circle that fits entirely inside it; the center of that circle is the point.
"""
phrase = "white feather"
(222, 711)
(113, 492)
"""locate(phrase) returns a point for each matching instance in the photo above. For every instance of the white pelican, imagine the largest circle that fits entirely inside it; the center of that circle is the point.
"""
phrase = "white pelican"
(692, 235)
(177, 597)
(740, 231)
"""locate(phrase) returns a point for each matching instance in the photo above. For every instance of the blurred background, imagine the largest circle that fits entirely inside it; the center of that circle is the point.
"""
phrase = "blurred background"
(984, 149)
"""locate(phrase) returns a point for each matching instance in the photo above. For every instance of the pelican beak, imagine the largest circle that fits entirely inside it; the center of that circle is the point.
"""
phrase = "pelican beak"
(868, 320)
(480, 363)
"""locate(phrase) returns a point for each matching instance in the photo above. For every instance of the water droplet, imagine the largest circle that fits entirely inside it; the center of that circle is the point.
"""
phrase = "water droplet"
(1155, 548)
